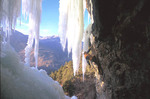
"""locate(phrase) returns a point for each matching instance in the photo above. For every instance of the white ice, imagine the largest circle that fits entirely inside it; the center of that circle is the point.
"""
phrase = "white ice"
(32, 8)
(9, 12)
(74, 97)
(86, 41)
(71, 23)
(91, 13)
(22, 82)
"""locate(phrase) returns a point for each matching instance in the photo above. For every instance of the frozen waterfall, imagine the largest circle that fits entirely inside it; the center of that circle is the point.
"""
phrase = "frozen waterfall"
(71, 28)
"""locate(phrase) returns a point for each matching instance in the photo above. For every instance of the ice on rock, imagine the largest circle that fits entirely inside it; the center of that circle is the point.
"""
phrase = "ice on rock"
(86, 41)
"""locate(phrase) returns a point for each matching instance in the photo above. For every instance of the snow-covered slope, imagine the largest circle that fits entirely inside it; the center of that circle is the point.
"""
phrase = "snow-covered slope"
(22, 82)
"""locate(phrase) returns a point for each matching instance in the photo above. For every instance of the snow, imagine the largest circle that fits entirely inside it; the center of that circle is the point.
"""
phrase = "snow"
(48, 37)
(71, 25)
(22, 82)
(74, 97)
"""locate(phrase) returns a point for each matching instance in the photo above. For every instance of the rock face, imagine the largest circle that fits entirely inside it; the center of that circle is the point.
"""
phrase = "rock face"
(122, 40)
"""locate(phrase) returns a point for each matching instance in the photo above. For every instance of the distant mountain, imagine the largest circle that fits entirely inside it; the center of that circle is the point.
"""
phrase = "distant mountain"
(51, 55)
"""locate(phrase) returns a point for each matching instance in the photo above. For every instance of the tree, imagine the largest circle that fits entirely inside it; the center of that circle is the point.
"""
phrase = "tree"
(69, 88)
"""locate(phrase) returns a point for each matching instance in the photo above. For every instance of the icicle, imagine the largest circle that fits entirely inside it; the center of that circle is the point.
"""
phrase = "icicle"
(78, 39)
(9, 12)
(28, 48)
(85, 47)
(71, 28)
(92, 20)
(63, 19)
(33, 9)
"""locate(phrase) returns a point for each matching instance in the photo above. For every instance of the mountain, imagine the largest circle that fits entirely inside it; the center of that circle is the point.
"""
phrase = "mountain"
(51, 56)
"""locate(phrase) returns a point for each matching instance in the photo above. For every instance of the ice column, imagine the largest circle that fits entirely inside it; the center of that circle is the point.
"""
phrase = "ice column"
(33, 9)
(63, 19)
(71, 28)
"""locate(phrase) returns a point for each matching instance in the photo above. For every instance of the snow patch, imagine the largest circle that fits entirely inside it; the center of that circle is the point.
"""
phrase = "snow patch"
(22, 82)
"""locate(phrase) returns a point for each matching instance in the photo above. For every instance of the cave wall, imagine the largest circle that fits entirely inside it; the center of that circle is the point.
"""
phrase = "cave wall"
(122, 40)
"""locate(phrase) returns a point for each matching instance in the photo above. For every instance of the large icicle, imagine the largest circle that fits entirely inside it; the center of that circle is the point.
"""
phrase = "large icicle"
(33, 9)
(63, 19)
(71, 28)
(76, 49)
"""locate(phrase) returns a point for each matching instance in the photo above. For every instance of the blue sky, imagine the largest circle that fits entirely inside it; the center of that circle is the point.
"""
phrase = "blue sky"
(49, 19)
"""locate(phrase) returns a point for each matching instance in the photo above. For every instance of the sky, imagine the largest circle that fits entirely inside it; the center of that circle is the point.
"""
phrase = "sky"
(49, 19)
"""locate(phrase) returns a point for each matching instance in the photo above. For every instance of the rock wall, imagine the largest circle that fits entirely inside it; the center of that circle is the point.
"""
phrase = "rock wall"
(122, 40)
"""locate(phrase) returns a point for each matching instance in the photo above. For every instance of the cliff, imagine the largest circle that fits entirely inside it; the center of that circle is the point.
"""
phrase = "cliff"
(122, 41)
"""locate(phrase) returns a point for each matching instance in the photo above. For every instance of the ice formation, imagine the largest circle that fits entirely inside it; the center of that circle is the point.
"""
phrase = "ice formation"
(86, 41)
(9, 12)
(71, 27)
(74, 97)
(33, 9)
(22, 82)
(91, 14)
(63, 19)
